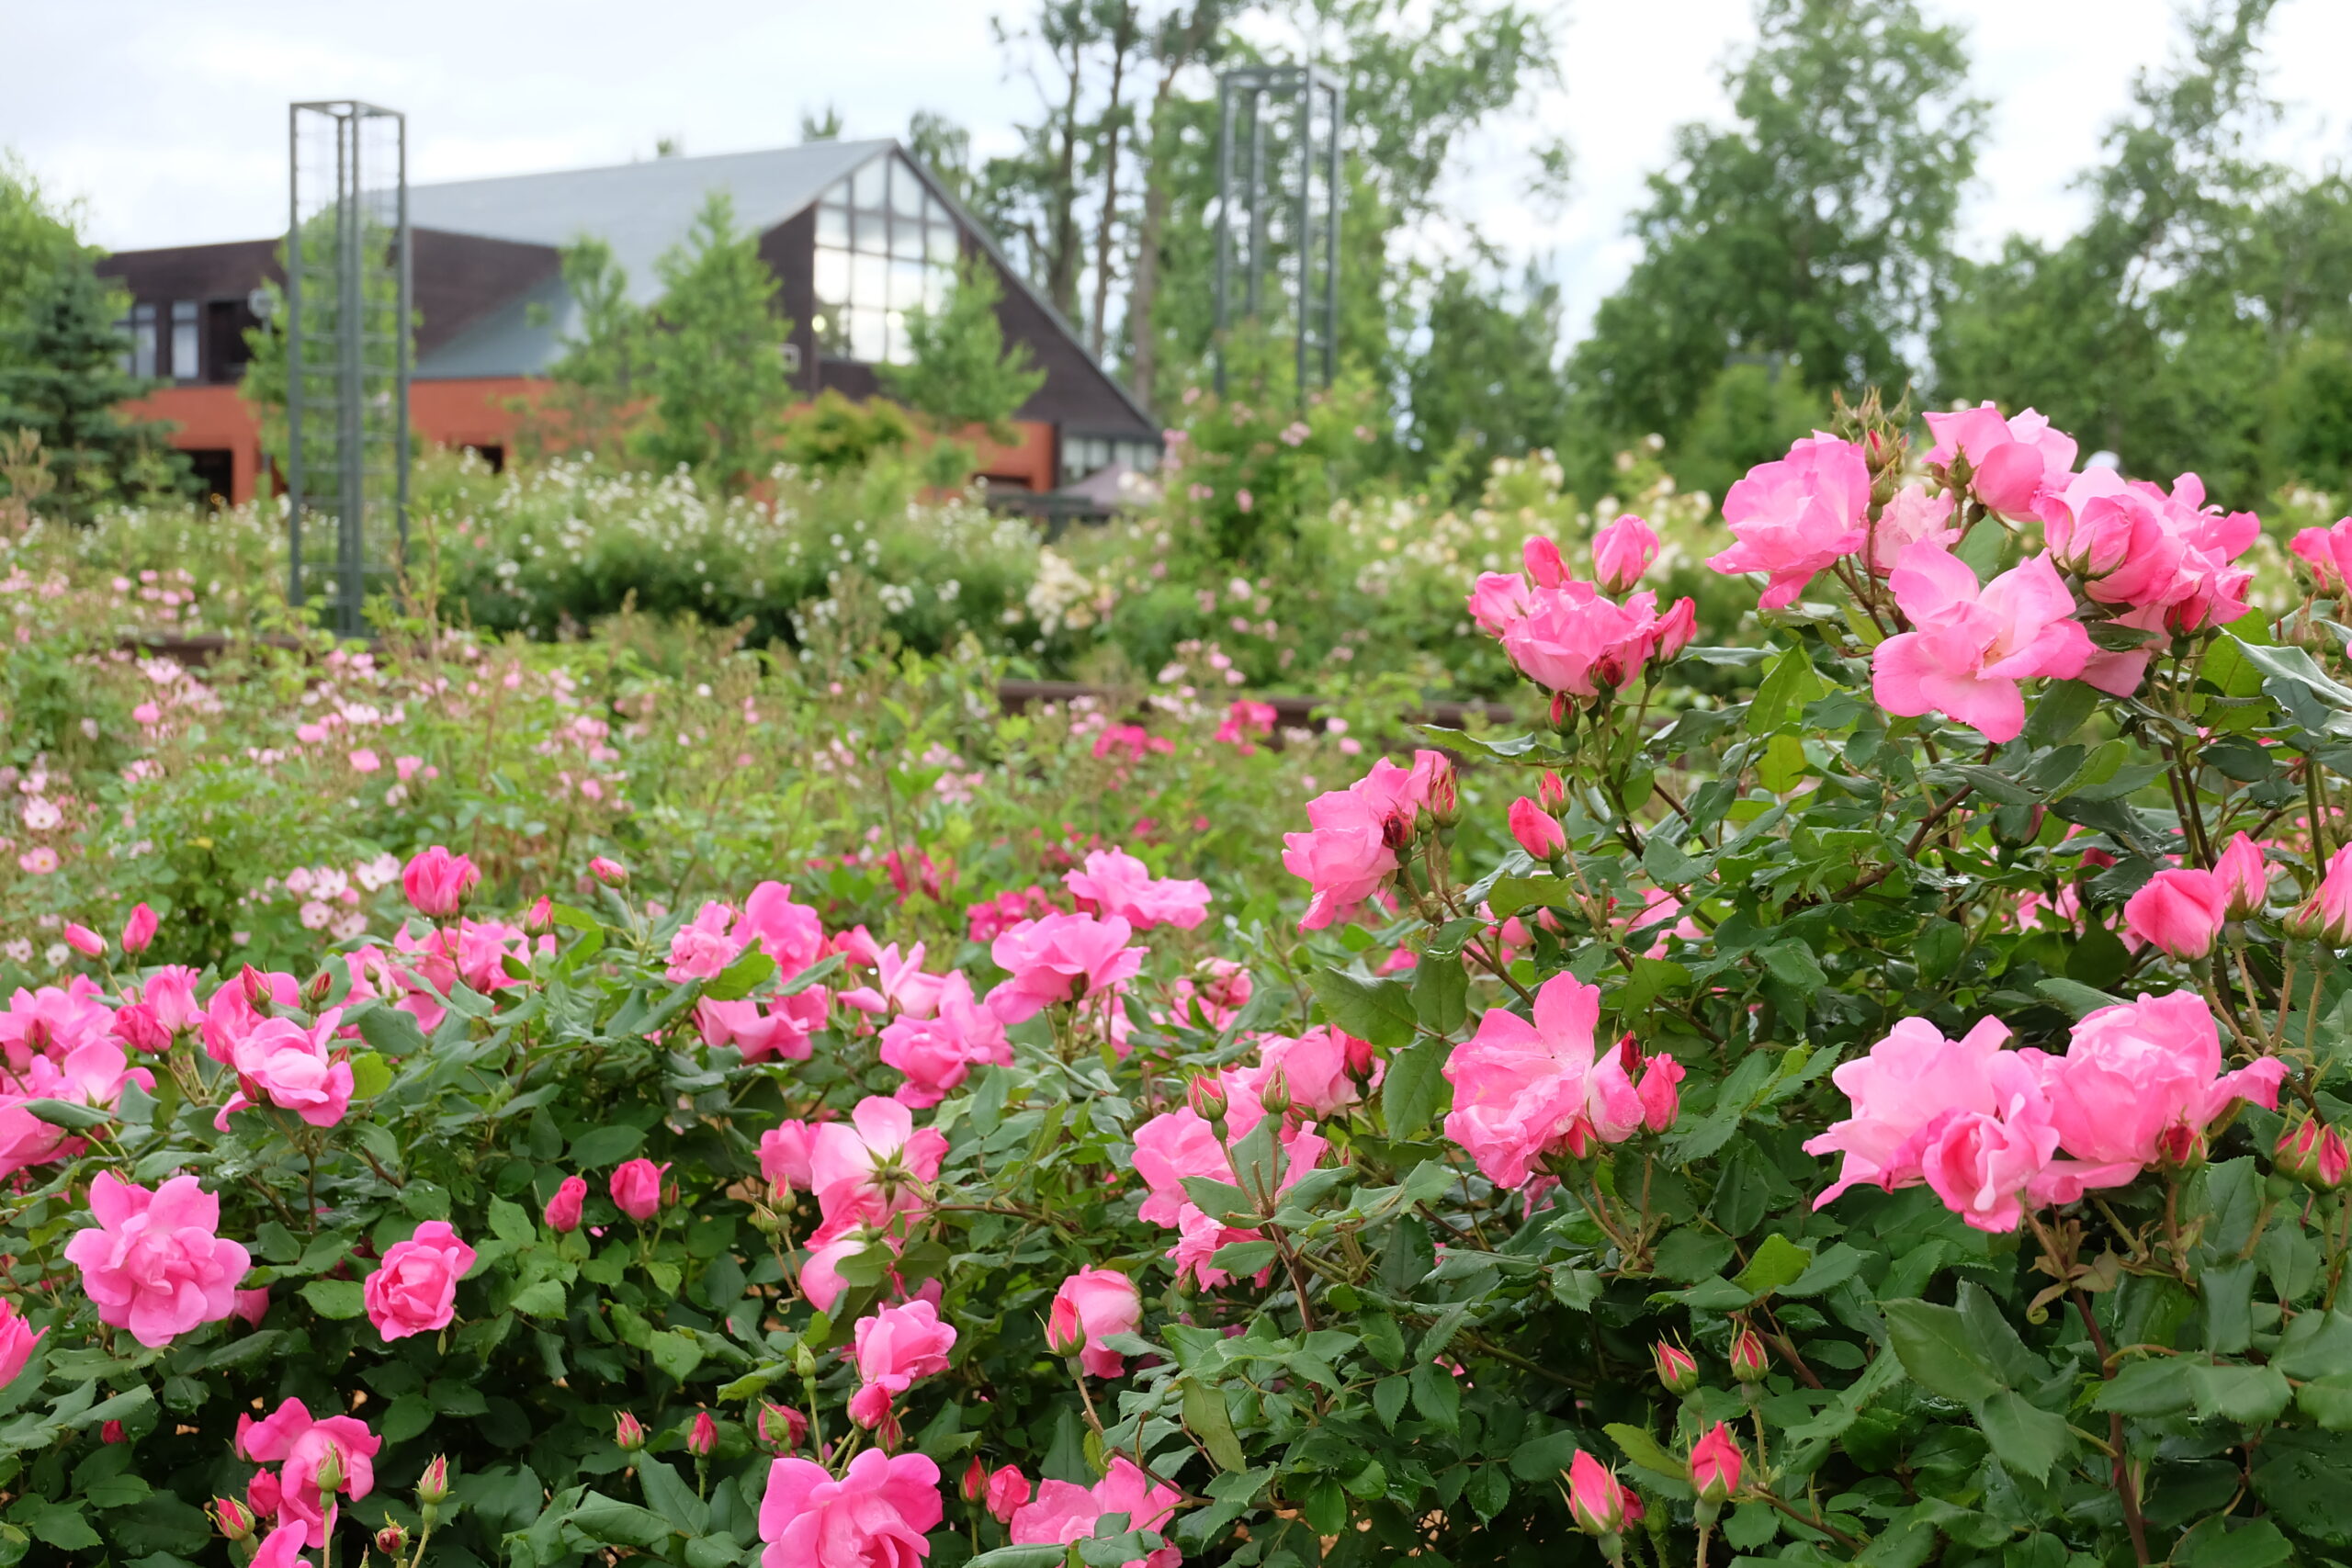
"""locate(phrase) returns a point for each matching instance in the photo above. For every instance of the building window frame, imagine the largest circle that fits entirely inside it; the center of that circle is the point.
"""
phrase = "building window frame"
(884, 244)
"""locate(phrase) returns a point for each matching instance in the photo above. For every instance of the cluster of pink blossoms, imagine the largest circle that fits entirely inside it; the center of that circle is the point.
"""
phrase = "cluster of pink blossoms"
(1993, 1132)
(1354, 834)
(1566, 634)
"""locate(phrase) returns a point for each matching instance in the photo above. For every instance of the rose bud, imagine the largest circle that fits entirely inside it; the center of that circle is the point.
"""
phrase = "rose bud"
(1206, 1095)
(563, 1209)
(1715, 1462)
(1008, 1493)
(2334, 1162)
(702, 1437)
(85, 941)
(975, 1484)
(782, 1428)
(330, 1473)
(433, 1486)
(321, 984)
(1749, 1361)
(1358, 1058)
(1273, 1095)
(1596, 1501)
(392, 1539)
(541, 916)
(1445, 796)
(628, 1433)
(231, 1519)
(1678, 1369)
(611, 873)
(112, 1432)
(2297, 1154)
(1552, 792)
(1064, 1337)
(140, 930)
(2181, 1147)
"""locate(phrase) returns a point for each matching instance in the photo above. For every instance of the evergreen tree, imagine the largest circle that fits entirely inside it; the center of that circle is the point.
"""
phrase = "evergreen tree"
(1486, 385)
(37, 236)
(591, 404)
(62, 378)
(715, 364)
(959, 372)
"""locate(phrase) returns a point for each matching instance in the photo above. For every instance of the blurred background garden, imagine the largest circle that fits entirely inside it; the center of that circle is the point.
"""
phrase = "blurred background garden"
(1003, 525)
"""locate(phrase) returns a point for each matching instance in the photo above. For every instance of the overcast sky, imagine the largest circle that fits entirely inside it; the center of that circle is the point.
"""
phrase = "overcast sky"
(167, 119)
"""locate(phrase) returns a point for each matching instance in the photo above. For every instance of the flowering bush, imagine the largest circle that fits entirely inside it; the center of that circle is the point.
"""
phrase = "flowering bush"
(1885, 1115)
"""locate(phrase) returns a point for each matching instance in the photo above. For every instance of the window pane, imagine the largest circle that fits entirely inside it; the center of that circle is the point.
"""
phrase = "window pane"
(143, 340)
(906, 283)
(867, 336)
(935, 280)
(944, 247)
(905, 190)
(832, 225)
(933, 212)
(183, 346)
(873, 233)
(869, 283)
(832, 275)
(869, 184)
(906, 238)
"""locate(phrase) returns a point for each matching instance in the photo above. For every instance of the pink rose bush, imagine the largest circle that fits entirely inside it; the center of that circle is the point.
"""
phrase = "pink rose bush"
(1912, 1047)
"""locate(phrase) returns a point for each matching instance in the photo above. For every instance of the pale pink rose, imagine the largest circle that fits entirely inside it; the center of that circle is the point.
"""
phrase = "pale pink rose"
(1795, 517)
(637, 1187)
(1065, 1512)
(874, 1166)
(1523, 1092)
(895, 1346)
(2134, 1072)
(152, 1262)
(414, 1289)
(291, 1439)
(876, 1516)
(55, 1020)
(1116, 883)
(295, 1068)
(900, 985)
(2015, 463)
(1178, 1144)
(1972, 646)
(784, 1154)
(1982, 1166)
(1316, 1065)
(1912, 517)
(775, 1028)
(2328, 553)
(1061, 958)
(703, 947)
(1499, 602)
(937, 1053)
(1574, 641)
(792, 933)
(1908, 1081)
(2179, 911)
(1621, 552)
(364, 760)
(437, 882)
(1090, 1304)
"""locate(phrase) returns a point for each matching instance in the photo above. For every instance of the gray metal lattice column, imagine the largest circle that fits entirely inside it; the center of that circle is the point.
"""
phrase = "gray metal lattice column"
(1278, 227)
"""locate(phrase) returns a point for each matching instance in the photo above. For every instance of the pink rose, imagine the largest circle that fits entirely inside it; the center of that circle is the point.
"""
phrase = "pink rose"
(171, 991)
(1912, 517)
(152, 1263)
(1795, 517)
(774, 1029)
(1351, 850)
(1621, 552)
(415, 1287)
(1008, 1490)
(294, 1068)
(637, 1187)
(1574, 642)
(784, 1154)
(2328, 553)
(1525, 1090)
(2245, 878)
(252, 1306)
(2326, 915)
(291, 1438)
(702, 947)
(873, 1166)
(900, 985)
(896, 1346)
(17, 1338)
(1982, 1166)
(1318, 1065)
(437, 882)
(1499, 602)
(283, 1548)
(2178, 911)
(2135, 1072)
(876, 1516)
(1090, 1304)
(1972, 646)
(1910, 1078)
(1066, 1512)
(1061, 958)
(1116, 883)
(820, 1276)
(792, 933)
(2014, 463)
(938, 1053)
(563, 1209)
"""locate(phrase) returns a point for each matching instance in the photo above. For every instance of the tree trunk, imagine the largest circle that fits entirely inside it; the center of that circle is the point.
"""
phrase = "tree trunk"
(1123, 38)
(1179, 44)
(1061, 262)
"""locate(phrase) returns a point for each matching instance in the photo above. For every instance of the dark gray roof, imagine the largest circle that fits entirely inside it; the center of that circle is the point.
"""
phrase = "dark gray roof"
(639, 209)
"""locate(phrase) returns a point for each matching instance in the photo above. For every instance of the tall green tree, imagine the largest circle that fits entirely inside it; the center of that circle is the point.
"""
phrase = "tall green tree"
(2200, 318)
(1486, 386)
(959, 371)
(1818, 228)
(62, 378)
(37, 234)
(715, 360)
(596, 392)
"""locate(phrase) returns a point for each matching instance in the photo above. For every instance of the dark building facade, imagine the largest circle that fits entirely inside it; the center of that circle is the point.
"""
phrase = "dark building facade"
(857, 233)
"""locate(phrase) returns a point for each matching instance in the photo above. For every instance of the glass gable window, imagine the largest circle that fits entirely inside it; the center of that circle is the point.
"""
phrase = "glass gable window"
(885, 245)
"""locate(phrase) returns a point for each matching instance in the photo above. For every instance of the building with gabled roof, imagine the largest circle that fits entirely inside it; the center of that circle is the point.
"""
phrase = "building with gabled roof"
(857, 233)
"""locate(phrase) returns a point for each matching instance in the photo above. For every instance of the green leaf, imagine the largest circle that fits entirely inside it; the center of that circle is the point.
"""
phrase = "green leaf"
(675, 1353)
(1783, 765)
(1240, 1257)
(62, 1526)
(391, 1031)
(1779, 1262)
(1538, 1459)
(1441, 994)
(1206, 1417)
(2078, 999)
(2303, 1479)
(2154, 1387)
(1787, 686)
(66, 1113)
(2291, 666)
(1045, 1556)
(1379, 1010)
(406, 1416)
(609, 1144)
(671, 1497)
(1934, 1344)
(1667, 864)
(2328, 1401)
(2316, 1344)
(1388, 1400)
(545, 1299)
(2253, 1543)
(2254, 1395)
(2061, 710)
(738, 980)
(1437, 1396)
(1643, 1450)
(612, 1522)
(821, 970)
(370, 1075)
(2028, 1439)
(1415, 1090)
(338, 1299)
(1791, 963)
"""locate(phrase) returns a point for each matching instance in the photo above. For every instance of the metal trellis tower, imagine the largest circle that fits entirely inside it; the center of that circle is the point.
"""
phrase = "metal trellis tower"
(1283, 212)
(347, 346)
